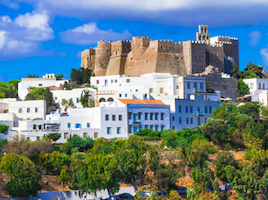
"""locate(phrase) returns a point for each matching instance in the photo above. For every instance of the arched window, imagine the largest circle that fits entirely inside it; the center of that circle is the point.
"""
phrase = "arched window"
(102, 100)
(204, 38)
(20, 110)
(110, 99)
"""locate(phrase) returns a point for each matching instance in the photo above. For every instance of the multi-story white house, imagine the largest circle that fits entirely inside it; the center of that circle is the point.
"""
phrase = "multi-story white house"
(74, 95)
(151, 86)
(258, 89)
(48, 80)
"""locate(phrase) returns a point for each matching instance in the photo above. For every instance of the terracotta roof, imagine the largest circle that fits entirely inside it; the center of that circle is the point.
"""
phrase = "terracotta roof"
(139, 101)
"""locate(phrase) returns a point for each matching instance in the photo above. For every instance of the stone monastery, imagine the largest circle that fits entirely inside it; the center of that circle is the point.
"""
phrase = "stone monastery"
(143, 55)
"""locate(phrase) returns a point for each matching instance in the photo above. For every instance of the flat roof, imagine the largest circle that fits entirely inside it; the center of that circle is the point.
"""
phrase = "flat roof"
(139, 101)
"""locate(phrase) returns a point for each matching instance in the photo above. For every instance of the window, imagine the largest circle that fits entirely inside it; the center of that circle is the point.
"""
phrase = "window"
(210, 109)
(77, 100)
(129, 115)
(162, 116)
(85, 135)
(112, 81)
(146, 116)
(156, 127)
(34, 126)
(179, 120)
(195, 85)
(263, 86)
(259, 85)
(71, 99)
(145, 95)
(179, 109)
(96, 135)
(28, 110)
(120, 95)
(198, 121)
(105, 82)
(146, 126)
(151, 90)
(151, 127)
(108, 130)
(113, 117)
(40, 84)
(118, 130)
(38, 138)
(186, 109)
(191, 109)
(187, 120)
(140, 127)
(56, 98)
(156, 116)
(135, 129)
(128, 80)
(188, 96)
(66, 135)
(201, 87)
(173, 118)
(88, 125)
(129, 129)
(206, 109)
(115, 80)
(173, 128)
(188, 86)
(125, 95)
(59, 111)
(161, 90)
(151, 116)
(20, 110)
(177, 87)
(205, 120)
(139, 115)
(251, 85)
(77, 125)
(107, 117)
(120, 117)
(162, 127)
(191, 120)
(198, 109)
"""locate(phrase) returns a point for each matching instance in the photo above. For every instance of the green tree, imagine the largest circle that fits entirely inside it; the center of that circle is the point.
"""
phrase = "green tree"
(242, 87)
(32, 76)
(4, 128)
(223, 159)
(58, 76)
(9, 89)
(253, 71)
(24, 179)
(53, 136)
(48, 97)
(66, 86)
(235, 73)
(166, 176)
(80, 76)
(82, 143)
(84, 99)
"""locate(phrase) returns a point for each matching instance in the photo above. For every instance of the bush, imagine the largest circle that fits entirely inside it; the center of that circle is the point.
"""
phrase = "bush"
(228, 147)
(151, 138)
(249, 153)
(213, 150)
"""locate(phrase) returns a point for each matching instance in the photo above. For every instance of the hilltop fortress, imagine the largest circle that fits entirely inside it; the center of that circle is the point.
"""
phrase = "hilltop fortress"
(143, 55)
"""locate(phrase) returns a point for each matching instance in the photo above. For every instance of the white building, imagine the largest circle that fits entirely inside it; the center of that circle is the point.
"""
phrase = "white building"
(74, 95)
(48, 80)
(150, 86)
(258, 88)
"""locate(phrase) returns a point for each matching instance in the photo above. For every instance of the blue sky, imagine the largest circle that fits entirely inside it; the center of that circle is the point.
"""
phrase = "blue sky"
(41, 36)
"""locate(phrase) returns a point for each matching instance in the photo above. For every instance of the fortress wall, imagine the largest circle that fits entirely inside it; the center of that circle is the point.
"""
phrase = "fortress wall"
(231, 50)
(138, 46)
(88, 59)
(103, 53)
(187, 56)
(198, 57)
(215, 56)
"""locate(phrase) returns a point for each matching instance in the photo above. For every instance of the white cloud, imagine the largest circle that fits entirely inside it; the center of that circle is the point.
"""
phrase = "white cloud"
(254, 38)
(90, 34)
(264, 54)
(24, 35)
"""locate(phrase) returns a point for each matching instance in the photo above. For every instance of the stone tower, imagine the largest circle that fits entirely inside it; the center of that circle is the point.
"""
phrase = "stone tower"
(203, 35)
(102, 57)
(88, 59)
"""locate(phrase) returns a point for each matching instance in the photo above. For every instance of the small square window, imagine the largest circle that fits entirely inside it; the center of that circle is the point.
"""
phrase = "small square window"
(20, 110)
(107, 117)
(146, 126)
(97, 81)
(162, 127)
(88, 125)
(186, 109)
(108, 130)
(56, 98)
(161, 90)
(84, 135)
(125, 95)
(191, 120)
(191, 109)
(151, 127)
(156, 127)
(187, 120)
(115, 80)
(28, 110)
(179, 120)
(77, 100)
(146, 116)
(151, 116)
(69, 125)
(120, 95)
(118, 130)
(66, 135)
(40, 84)
(120, 117)
(112, 81)
(113, 117)
(173, 118)
(128, 80)
(173, 128)
(96, 135)
(162, 116)
(156, 116)
(151, 90)
(36, 110)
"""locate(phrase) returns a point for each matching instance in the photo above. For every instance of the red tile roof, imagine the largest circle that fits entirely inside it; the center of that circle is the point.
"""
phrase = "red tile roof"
(139, 101)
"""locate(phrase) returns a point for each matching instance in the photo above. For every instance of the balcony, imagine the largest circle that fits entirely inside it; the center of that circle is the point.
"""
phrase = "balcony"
(199, 90)
(135, 121)
(199, 113)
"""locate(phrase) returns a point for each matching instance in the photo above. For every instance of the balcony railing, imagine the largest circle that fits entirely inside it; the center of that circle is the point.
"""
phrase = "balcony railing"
(198, 90)
(199, 113)
(135, 121)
